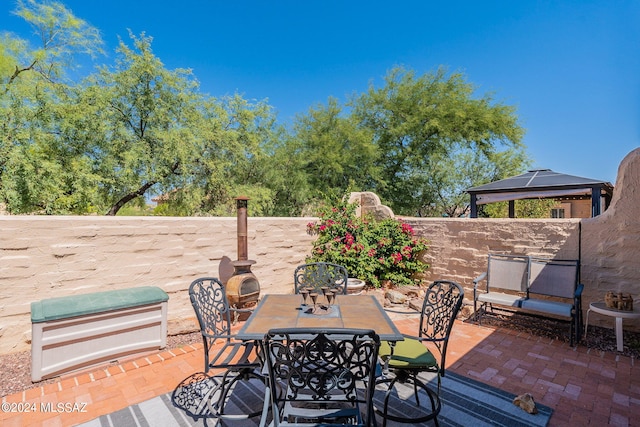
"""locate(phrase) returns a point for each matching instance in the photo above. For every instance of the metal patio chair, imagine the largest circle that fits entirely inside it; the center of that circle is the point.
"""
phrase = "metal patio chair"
(238, 360)
(320, 274)
(325, 376)
(408, 358)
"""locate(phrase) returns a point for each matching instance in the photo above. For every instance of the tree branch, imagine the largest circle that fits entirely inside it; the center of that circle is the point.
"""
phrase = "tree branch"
(127, 198)
(138, 193)
(17, 72)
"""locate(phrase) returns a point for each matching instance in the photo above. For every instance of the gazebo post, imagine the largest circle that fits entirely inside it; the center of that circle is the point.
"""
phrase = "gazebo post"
(596, 195)
(512, 209)
(474, 206)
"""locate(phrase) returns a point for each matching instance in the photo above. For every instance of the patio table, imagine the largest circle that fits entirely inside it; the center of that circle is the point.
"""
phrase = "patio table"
(600, 307)
(348, 311)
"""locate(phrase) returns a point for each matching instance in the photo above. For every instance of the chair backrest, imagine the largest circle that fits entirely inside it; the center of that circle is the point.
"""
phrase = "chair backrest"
(209, 301)
(319, 274)
(442, 301)
(322, 366)
(551, 277)
(508, 272)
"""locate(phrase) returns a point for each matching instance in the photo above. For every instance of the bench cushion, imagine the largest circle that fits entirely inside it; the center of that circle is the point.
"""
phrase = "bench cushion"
(98, 302)
(549, 307)
(408, 353)
(501, 298)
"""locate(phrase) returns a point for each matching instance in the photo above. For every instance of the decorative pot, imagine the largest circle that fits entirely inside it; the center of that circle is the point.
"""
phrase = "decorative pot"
(355, 286)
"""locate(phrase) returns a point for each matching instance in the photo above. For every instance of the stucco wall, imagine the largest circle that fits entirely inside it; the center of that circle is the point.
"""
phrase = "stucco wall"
(458, 247)
(43, 257)
(611, 241)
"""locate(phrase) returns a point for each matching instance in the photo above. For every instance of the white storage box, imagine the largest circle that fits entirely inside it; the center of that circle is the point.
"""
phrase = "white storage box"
(76, 331)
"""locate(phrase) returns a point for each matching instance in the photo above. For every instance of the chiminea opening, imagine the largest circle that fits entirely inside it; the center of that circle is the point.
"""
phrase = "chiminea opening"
(243, 288)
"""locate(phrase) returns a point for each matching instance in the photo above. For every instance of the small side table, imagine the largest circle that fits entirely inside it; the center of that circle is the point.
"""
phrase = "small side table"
(601, 308)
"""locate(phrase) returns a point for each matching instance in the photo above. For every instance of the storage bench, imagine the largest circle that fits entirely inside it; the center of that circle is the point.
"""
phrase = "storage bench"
(543, 286)
(76, 331)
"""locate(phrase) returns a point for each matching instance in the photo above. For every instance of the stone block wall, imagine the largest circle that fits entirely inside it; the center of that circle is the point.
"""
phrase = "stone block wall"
(459, 246)
(611, 241)
(43, 256)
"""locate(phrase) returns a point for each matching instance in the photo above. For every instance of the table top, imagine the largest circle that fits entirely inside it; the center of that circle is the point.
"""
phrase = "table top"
(601, 307)
(348, 311)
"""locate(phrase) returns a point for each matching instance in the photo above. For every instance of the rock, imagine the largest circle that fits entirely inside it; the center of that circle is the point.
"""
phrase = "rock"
(466, 312)
(526, 402)
(409, 291)
(416, 304)
(395, 297)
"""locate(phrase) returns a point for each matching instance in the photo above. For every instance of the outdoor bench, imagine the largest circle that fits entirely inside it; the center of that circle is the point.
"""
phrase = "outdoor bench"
(81, 330)
(541, 286)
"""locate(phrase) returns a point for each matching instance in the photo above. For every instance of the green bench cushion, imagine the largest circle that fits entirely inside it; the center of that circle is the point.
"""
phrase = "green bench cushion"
(549, 307)
(409, 353)
(502, 299)
(98, 302)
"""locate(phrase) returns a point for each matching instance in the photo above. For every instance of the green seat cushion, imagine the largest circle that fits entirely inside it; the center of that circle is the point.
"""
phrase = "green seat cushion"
(409, 353)
(98, 302)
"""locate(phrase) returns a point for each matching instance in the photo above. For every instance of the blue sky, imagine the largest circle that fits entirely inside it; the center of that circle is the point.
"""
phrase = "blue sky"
(571, 68)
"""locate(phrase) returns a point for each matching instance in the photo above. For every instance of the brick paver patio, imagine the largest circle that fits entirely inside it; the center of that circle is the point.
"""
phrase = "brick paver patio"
(584, 387)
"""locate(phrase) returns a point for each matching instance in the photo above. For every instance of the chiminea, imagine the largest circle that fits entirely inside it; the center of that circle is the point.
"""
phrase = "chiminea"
(243, 288)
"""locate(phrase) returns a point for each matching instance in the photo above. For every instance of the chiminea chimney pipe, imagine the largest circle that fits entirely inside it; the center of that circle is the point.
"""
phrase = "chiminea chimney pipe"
(241, 204)
(243, 288)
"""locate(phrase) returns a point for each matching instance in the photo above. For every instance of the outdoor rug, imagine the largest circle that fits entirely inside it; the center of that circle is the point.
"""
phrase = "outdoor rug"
(465, 403)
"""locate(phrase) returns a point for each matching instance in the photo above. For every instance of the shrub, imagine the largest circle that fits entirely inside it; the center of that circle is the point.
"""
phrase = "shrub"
(371, 250)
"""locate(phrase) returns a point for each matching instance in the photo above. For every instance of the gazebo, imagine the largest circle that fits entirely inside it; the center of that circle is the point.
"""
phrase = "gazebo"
(542, 184)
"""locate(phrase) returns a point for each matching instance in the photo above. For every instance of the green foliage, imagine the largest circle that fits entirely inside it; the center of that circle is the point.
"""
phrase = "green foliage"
(371, 250)
(451, 174)
(284, 175)
(419, 123)
(137, 128)
(139, 209)
(531, 208)
(41, 170)
(336, 152)
(62, 37)
(143, 127)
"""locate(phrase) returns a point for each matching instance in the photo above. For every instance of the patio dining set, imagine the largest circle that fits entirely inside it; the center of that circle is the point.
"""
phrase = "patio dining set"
(323, 356)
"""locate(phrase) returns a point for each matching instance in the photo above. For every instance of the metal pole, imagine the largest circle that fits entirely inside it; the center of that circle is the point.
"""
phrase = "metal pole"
(241, 204)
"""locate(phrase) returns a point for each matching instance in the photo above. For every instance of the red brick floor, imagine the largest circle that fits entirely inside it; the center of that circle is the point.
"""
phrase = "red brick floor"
(584, 387)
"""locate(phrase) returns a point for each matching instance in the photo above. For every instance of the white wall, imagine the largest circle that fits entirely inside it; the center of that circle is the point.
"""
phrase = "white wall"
(44, 256)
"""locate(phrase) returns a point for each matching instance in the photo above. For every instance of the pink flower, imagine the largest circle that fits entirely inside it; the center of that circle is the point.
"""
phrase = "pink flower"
(322, 227)
(349, 239)
(407, 229)
(397, 257)
(372, 252)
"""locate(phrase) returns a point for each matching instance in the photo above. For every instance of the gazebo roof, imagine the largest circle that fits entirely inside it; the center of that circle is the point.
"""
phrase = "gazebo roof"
(538, 183)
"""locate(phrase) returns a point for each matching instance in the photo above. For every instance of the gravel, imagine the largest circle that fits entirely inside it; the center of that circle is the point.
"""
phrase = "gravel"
(15, 368)
(597, 338)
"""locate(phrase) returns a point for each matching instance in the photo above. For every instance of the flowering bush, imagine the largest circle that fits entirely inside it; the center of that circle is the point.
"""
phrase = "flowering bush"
(370, 250)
